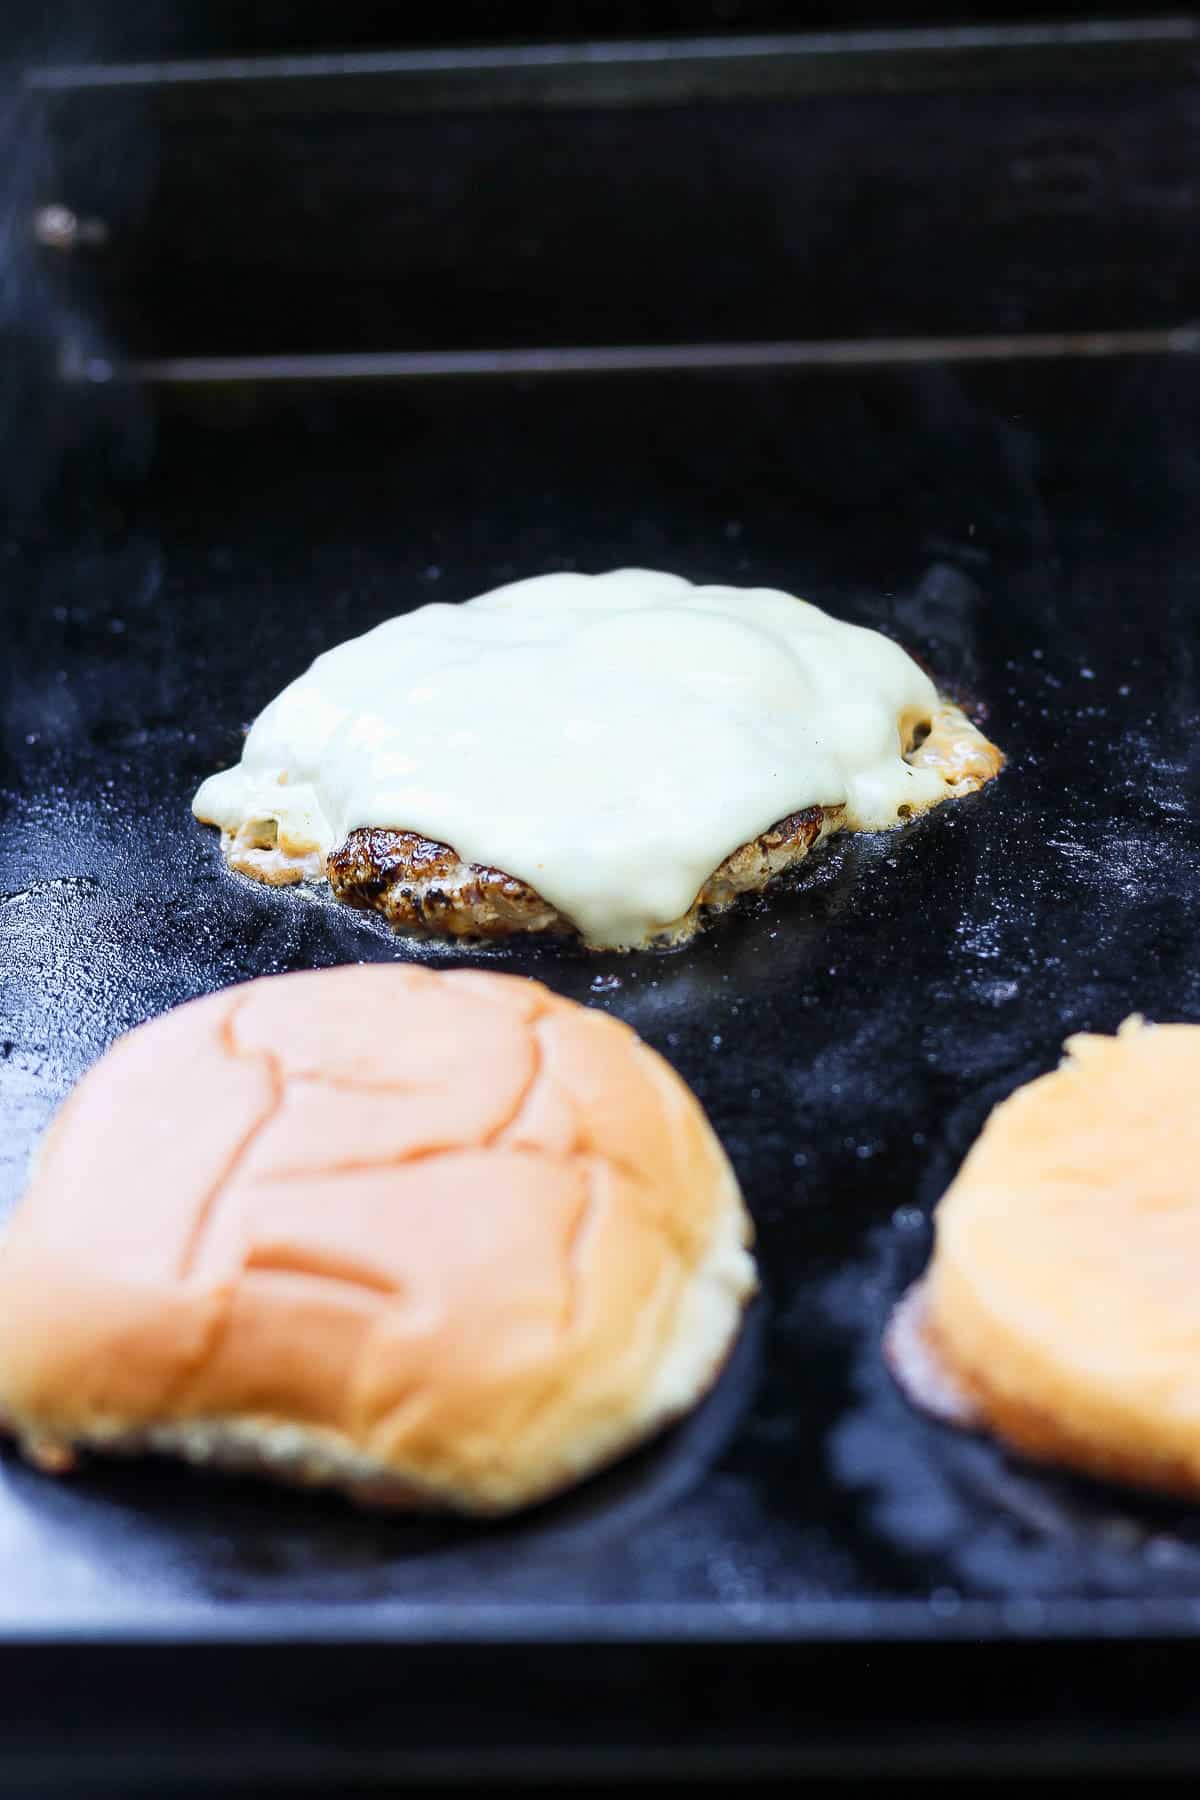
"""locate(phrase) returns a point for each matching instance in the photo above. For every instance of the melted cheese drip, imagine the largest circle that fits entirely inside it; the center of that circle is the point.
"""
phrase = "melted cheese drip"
(608, 739)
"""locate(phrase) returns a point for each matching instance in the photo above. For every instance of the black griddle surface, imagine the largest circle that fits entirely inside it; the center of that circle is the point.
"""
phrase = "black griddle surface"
(1032, 532)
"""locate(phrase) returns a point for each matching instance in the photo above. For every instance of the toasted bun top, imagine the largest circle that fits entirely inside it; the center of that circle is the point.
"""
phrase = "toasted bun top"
(1062, 1291)
(478, 1235)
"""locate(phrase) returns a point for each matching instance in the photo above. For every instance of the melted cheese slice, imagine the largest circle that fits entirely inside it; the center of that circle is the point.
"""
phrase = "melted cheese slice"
(608, 739)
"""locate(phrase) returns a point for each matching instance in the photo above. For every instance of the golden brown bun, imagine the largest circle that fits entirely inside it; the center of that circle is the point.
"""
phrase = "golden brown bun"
(1060, 1306)
(438, 1239)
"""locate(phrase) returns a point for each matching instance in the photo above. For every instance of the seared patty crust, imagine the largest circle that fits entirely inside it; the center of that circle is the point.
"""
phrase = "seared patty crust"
(423, 887)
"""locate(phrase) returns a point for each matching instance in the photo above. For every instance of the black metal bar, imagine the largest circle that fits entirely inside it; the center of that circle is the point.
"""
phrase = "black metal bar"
(421, 365)
(658, 71)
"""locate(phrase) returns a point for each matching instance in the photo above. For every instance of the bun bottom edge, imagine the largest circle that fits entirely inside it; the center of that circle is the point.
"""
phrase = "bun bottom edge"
(924, 1369)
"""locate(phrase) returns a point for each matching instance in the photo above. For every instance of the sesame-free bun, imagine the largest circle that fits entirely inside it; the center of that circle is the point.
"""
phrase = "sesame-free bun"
(440, 1240)
(1059, 1309)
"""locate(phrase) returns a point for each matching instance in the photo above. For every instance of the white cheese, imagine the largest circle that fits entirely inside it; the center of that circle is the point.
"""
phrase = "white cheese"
(608, 739)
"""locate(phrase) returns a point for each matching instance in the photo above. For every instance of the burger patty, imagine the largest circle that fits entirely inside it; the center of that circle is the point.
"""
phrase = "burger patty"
(423, 887)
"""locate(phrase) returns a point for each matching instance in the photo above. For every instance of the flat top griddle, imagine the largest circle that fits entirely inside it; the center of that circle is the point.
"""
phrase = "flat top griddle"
(1031, 530)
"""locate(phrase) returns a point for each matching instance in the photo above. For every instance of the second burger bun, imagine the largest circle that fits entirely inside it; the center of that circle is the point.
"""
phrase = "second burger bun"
(1059, 1309)
(437, 1239)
